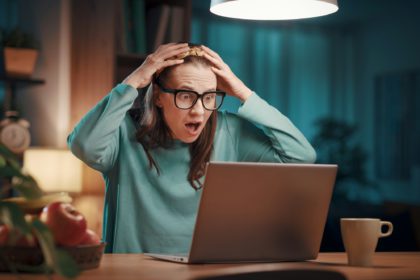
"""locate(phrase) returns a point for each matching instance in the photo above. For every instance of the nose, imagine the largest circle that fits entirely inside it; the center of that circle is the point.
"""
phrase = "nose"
(198, 107)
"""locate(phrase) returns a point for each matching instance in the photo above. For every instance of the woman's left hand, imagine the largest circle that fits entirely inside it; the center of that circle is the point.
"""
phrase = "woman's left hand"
(226, 80)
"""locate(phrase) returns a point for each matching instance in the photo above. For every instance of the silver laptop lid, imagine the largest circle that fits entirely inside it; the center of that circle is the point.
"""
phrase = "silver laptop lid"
(262, 212)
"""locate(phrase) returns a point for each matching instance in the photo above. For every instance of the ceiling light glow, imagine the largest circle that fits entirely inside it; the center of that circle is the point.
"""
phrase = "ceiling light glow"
(273, 9)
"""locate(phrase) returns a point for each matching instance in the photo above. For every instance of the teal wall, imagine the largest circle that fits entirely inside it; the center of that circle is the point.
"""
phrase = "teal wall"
(295, 68)
(385, 46)
(325, 66)
(8, 13)
(8, 20)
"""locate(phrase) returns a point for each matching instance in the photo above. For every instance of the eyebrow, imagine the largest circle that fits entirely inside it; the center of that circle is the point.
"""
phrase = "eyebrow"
(190, 88)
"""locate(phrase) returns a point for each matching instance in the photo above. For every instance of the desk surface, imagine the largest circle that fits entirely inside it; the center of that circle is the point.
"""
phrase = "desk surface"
(396, 265)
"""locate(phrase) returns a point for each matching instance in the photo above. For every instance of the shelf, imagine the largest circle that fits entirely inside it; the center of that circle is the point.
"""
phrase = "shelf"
(21, 80)
(11, 84)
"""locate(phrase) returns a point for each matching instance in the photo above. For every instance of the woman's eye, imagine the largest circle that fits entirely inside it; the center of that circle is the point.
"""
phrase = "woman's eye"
(185, 96)
(209, 97)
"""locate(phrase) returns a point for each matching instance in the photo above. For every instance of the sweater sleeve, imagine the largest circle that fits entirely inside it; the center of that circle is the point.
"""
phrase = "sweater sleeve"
(95, 139)
(269, 136)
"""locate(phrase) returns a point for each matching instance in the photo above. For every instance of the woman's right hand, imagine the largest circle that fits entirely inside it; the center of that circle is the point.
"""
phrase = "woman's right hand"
(156, 61)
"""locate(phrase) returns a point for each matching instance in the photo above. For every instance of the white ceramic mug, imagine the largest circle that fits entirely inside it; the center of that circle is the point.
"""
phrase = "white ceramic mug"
(360, 237)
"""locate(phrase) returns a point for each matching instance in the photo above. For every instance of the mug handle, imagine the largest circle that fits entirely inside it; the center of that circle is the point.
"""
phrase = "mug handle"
(389, 231)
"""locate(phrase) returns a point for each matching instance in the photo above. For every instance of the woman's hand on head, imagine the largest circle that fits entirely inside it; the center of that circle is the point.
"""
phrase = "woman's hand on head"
(154, 62)
(226, 79)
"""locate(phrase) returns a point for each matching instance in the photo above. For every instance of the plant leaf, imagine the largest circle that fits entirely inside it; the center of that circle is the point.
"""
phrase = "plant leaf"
(9, 172)
(23, 183)
(60, 261)
(2, 161)
(4, 151)
(27, 187)
(13, 217)
(66, 265)
(46, 241)
(16, 38)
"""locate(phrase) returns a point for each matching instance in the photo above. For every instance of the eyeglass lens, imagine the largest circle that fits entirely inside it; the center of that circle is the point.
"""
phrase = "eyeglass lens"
(186, 99)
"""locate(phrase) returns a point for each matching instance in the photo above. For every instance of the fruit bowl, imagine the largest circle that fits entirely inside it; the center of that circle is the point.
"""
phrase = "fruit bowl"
(30, 258)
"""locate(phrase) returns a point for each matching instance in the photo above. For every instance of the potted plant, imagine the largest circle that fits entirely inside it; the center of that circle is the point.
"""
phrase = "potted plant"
(17, 225)
(335, 143)
(20, 53)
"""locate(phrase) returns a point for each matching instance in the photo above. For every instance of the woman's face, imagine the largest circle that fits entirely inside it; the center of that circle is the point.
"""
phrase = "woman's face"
(186, 125)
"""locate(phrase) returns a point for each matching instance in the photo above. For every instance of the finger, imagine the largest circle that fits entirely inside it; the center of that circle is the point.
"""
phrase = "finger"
(171, 45)
(216, 62)
(163, 49)
(177, 46)
(160, 47)
(218, 72)
(168, 63)
(211, 52)
(175, 52)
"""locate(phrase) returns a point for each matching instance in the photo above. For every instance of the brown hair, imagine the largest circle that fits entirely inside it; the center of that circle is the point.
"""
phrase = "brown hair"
(153, 132)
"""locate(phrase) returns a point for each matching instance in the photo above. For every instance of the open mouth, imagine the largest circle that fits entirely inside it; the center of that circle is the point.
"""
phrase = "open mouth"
(193, 127)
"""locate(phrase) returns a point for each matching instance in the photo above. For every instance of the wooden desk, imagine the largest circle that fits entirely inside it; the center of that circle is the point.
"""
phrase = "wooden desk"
(135, 266)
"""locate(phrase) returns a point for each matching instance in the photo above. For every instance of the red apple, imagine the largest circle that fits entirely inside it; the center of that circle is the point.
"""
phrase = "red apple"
(7, 236)
(27, 241)
(4, 235)
(90, 238)
(67, 225)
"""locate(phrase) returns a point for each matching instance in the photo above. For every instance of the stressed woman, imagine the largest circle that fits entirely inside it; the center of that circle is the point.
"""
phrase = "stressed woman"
(153, 159)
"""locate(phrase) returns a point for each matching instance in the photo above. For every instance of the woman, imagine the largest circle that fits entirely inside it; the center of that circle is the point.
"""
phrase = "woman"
(153, 162)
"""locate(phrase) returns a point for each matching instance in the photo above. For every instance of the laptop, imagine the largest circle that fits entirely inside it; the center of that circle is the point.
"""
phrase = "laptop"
(260, 212)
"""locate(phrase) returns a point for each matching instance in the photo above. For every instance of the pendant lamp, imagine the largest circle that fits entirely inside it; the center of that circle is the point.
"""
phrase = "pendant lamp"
(273, 9)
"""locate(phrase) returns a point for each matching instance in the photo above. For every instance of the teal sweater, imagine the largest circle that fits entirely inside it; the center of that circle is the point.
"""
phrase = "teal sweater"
(147, 212)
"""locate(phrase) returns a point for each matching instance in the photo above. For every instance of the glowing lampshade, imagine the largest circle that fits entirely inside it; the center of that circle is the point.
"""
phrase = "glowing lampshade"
(273, 9)
(55, 170)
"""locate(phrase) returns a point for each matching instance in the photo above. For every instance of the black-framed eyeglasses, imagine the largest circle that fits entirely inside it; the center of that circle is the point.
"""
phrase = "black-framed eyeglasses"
(185, 99)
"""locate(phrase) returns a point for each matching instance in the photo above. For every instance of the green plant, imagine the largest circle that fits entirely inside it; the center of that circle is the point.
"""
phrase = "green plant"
(335, 143)
(55, 259)
(17, 38)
